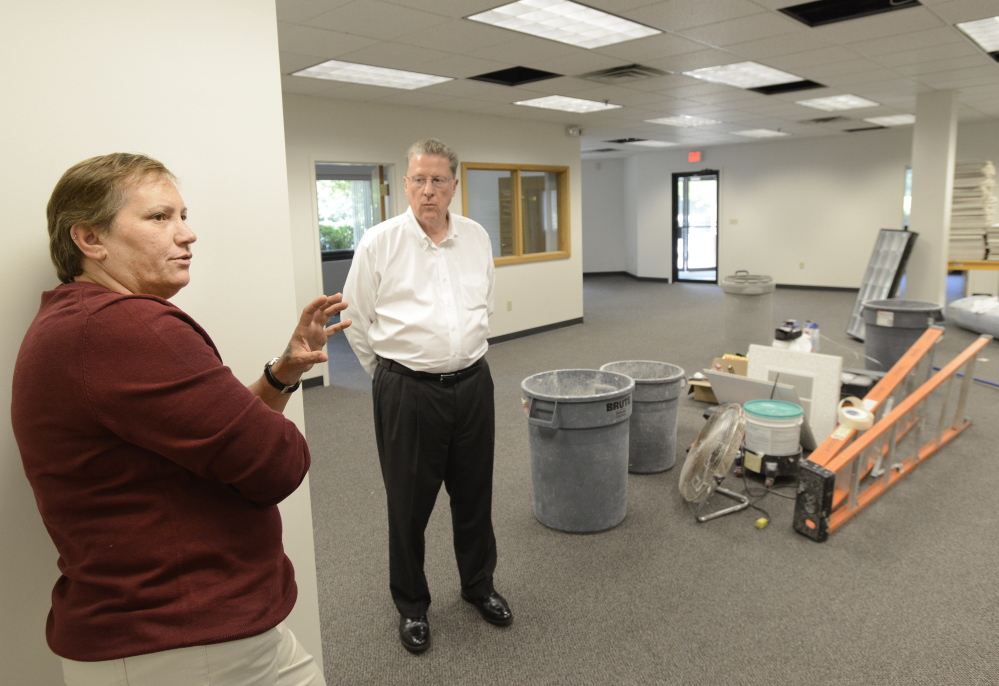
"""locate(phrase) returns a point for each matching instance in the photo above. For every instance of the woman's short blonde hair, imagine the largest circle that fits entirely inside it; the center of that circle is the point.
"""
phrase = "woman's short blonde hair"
(92, 193)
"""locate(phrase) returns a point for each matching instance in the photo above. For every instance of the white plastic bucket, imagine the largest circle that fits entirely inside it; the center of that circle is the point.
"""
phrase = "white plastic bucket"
(773, 427)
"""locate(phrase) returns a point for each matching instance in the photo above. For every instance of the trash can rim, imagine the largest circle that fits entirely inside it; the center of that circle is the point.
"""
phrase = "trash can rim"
(628, 388)
(647, 380)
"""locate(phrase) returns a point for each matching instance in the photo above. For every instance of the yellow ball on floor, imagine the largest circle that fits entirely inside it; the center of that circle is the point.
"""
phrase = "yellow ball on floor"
(762, 522)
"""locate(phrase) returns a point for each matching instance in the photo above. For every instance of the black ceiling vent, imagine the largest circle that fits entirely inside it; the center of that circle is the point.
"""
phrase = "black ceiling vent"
(802, 85)
(628, 140)
(865, 128)
(825, 120)
(831, 11)
(587, 152)
(515, 76)
(629, 72)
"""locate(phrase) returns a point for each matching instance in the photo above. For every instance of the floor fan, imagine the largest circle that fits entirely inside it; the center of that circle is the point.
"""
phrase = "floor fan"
(710, 457)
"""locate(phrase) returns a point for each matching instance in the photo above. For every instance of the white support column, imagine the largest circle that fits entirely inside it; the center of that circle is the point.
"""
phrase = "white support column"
(934, 140)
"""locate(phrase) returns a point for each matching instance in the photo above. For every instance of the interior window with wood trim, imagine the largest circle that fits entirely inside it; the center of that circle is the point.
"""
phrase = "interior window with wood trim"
(524, 208)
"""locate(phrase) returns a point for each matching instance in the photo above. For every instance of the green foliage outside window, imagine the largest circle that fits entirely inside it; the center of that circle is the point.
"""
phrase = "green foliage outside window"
(336, 237)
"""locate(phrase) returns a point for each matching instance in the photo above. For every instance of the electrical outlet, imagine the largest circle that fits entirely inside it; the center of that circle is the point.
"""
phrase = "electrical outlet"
(509, 305)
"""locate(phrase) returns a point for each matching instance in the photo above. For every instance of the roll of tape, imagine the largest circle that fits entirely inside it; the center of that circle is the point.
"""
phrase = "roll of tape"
(853, 415)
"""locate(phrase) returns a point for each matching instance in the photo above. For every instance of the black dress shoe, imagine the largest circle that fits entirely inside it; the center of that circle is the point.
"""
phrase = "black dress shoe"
(492, 606)
(414, 632)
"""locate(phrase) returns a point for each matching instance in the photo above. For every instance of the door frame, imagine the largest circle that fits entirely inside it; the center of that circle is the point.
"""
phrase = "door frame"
(676, 227)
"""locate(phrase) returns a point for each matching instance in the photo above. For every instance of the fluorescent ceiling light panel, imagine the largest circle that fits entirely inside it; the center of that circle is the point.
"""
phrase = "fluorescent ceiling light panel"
(839, 102)
(893, 120)
(565, 22)
(349, 72)
(985, 32)
(682, 120)
(743, 75)
(761, 133)
(560, 102)
(652, 144)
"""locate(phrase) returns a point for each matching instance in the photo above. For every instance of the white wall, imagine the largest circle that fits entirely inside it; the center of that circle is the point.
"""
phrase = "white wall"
(604, 238)
(195, 84)
(325, 130)
(818, 201)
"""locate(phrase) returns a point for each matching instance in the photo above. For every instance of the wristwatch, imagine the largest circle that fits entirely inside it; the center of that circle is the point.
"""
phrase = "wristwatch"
(277, 384)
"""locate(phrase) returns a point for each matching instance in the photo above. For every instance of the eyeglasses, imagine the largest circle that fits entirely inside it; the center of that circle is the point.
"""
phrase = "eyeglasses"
(438, 182)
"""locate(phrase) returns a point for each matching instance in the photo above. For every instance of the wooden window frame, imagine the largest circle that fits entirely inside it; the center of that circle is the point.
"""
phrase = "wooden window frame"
(564, 233)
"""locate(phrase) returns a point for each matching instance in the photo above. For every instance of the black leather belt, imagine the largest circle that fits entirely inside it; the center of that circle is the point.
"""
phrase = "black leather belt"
(447, 378)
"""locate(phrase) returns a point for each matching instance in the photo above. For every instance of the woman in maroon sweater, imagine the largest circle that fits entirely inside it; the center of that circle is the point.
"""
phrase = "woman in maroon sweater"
(156, 472)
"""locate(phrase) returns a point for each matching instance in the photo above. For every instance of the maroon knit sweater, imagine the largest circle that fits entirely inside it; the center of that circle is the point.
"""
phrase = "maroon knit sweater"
(157, 475)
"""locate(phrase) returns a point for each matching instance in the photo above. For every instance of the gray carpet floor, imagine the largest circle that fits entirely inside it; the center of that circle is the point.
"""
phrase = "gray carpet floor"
(906, 593)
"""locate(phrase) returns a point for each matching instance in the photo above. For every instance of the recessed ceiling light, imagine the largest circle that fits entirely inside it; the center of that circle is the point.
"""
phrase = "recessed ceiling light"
(652, 144)
(761, 133)
(838, 102)
(893, 120)
(985, 32)
(682, 120)
(560, 102)
(744, 75)
(334, 70)
(565, 22)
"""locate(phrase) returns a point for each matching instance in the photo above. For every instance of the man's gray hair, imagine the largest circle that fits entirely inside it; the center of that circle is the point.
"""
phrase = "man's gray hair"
(432, 146)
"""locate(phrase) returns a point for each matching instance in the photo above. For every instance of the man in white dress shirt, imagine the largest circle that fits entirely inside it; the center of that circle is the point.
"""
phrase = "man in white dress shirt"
(420, 290)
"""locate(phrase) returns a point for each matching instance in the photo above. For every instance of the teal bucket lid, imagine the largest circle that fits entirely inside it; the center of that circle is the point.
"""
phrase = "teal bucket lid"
(773, 409)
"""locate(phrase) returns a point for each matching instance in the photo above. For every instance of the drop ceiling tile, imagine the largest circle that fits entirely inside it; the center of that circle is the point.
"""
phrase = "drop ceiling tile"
(661, 83)
(617, 6)
(883, 45)
(292, 62)
(579, 62)
(464, 105)
(564, 85)
(819, 72)
(965, 10)
(694, 60)
(361, 92)
(931, 54)
(887, 24)
(752, 27)
(298, 11)
(413, 98)
(449, 8)
(524, 50)
(375, 19)
(395, 56)
(456, 35)
(801, 62)
(678, 15)
(304, 86)
(698, 88)
(936, 66)
(651, 47)
(462, 67)
(797, 42)
(307, 40)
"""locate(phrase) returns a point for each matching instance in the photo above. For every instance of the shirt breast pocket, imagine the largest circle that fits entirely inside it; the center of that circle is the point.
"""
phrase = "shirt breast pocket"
(474, 291)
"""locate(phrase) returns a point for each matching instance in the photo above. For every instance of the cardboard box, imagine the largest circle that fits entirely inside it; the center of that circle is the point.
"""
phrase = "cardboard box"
(701, 388)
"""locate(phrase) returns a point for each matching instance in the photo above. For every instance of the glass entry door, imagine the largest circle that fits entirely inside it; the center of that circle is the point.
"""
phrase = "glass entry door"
(695, 226)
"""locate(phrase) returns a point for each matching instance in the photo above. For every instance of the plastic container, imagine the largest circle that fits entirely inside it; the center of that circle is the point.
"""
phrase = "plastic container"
(892, 326)
(773, 427)
(652, 433)
(578, 421)
(748, 311)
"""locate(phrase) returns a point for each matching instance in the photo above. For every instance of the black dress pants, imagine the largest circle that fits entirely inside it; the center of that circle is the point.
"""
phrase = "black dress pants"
(429, 433)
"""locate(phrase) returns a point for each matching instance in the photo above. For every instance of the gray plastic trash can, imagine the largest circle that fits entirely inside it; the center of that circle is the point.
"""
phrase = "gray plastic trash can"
(652, 434)
(748, 311)
(892, 326)
(578, 432)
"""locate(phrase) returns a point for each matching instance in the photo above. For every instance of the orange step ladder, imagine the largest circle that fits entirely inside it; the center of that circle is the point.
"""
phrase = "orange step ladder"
(851, 468)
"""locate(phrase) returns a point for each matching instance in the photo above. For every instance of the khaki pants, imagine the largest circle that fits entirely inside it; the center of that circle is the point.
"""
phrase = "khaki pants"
(274, 658)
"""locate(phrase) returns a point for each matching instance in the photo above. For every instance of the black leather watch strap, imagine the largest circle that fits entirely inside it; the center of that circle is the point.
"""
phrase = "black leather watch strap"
(269, 375)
